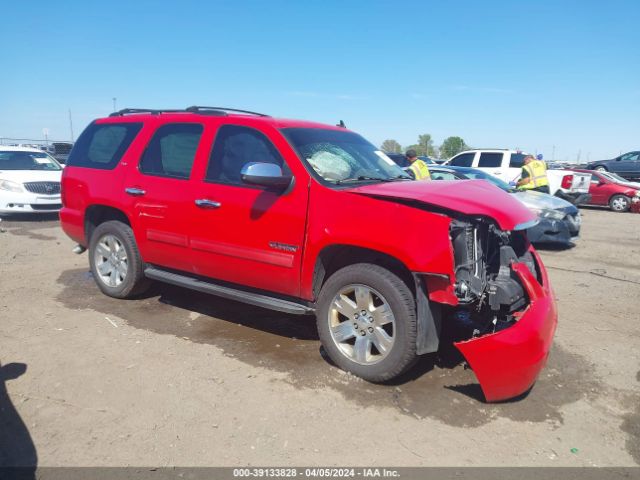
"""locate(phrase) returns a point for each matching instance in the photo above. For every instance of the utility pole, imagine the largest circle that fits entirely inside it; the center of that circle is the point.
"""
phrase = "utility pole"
(71, 125)
(553, 153)
(114, 103)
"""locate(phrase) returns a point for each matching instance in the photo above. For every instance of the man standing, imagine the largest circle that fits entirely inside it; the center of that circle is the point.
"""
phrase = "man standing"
(534, 175)
(417, 167)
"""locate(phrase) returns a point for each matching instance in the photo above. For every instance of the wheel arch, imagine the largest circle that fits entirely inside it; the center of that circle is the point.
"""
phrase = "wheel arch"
(334, 257)
(97, 214)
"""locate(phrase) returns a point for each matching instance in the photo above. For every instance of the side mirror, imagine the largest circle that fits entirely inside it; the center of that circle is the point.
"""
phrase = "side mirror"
(265, 175)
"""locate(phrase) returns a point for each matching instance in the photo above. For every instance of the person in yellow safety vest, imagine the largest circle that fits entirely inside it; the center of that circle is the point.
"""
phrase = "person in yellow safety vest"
(534, 175)
(417, 167)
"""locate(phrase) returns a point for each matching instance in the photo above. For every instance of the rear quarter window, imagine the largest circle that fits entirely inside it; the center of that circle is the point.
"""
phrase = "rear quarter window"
(490, 159)
(102, 146)
(517, 160)
(463, 160)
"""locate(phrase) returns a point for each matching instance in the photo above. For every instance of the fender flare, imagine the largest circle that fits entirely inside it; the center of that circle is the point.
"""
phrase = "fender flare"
(429, 318)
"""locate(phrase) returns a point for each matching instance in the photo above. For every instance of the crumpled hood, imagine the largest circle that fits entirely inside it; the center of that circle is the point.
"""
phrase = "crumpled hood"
(470, 197)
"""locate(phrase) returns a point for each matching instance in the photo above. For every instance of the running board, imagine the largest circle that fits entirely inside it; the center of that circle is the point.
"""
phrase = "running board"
(256, 299)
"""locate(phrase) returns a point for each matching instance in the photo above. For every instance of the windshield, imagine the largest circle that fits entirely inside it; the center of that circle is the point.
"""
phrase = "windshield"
(480, 175)
(19, 160)
(342, 157)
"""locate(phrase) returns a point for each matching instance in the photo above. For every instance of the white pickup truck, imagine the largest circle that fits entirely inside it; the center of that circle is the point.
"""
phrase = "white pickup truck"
(507, 165)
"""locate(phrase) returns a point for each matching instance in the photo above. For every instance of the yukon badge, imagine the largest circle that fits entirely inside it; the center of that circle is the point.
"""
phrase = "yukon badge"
(283, 246)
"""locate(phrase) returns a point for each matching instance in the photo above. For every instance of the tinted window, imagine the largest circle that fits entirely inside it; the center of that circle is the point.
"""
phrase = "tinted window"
(171, 151)
(490, 160)
(517, 160)
(103, 145)
(236, 146)
(463, 160)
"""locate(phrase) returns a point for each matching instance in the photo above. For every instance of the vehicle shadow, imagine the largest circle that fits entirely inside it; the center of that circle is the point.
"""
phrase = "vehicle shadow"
(554, 247)
(16, 446)
(236, 313)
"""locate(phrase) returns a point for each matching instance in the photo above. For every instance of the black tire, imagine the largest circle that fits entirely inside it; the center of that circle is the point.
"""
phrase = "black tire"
(619, 203)
(402, 354)
(601, 168)
(134, 282)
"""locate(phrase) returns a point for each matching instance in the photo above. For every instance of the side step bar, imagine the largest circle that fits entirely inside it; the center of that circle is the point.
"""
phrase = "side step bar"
(256, 299)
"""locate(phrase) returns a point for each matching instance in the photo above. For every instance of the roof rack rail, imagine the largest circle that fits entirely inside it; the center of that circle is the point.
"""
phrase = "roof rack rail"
(131, 111)
(220, 111)
(193, 109)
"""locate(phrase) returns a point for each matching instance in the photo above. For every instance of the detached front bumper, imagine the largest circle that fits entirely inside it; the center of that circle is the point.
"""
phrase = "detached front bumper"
(508, 362)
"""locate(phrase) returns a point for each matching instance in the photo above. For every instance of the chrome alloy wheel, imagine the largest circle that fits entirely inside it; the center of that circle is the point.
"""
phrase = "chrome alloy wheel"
(620, 204)
(110, 258)
(362, 324)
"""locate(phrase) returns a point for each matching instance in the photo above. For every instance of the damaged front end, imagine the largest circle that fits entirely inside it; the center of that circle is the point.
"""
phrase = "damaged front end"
(505, 309)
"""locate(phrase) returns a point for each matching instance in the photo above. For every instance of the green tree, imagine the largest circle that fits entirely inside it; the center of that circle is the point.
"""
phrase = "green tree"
(452, 146)
(391, 146)
(424, 146)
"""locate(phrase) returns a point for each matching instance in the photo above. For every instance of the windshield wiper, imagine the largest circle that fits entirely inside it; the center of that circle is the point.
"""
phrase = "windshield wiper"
(363, 178)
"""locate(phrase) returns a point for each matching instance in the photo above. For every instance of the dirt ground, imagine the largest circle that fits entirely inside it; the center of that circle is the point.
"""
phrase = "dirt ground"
(181, 378)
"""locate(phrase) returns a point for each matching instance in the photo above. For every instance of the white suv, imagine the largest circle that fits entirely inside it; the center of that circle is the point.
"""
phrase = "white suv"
(507, 165)
(29, 181)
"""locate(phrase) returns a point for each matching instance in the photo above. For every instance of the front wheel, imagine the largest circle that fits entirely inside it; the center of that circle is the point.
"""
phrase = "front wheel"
(619, 203)
(115, 261)
(601, 169)
(367, 323)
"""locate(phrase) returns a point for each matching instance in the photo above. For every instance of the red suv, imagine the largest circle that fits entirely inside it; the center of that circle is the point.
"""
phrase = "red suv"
(307, 218)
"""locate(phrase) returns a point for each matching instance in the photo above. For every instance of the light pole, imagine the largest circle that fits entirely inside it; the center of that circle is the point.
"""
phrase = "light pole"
(71, 125)
(114, 103)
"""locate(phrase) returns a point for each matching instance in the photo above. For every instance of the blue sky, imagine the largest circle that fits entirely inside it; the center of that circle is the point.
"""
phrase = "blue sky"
(497, 73)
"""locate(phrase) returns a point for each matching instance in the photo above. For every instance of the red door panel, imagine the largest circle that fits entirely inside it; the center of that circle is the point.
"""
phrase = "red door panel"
(157, 193)
(247, 234)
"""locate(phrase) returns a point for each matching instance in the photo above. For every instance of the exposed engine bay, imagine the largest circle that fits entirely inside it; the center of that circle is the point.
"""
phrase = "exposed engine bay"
(488, 291)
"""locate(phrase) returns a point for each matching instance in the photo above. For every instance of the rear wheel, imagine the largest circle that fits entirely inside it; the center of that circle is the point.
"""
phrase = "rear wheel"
(619, 203)
(367, 322)
(115, 260)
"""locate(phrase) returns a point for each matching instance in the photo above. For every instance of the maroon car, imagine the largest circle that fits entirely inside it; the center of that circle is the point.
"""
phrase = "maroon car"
(610, 190)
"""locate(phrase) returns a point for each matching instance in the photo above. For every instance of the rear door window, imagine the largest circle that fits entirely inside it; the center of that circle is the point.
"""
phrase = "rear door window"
(463, 160)
(172, 150)
(102, 146)
(490, 159)
(517, 160)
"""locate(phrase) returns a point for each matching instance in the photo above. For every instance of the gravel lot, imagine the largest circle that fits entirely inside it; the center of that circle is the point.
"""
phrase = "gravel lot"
(180, 378)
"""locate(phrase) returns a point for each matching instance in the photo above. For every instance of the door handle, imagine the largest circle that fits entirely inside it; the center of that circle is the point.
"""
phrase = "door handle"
(204, 203)
(135, 192)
